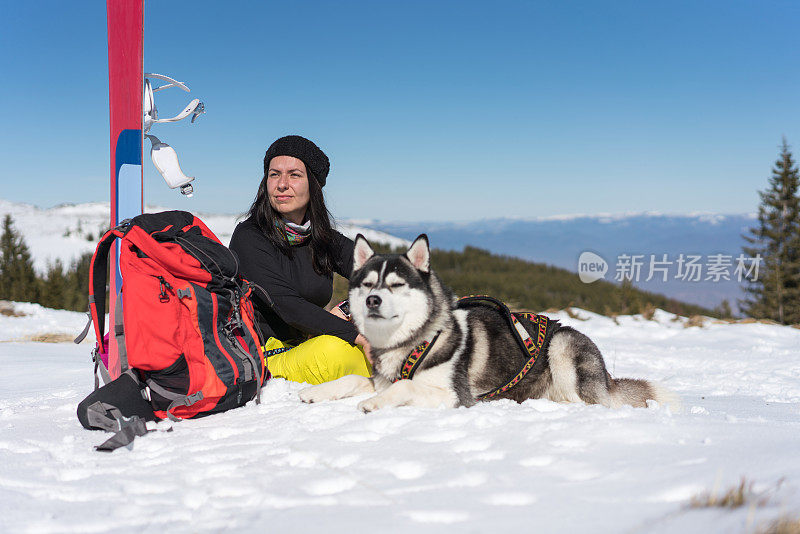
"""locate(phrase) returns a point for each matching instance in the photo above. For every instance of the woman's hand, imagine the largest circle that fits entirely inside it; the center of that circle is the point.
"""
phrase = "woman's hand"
(338, 313)
(361, 340)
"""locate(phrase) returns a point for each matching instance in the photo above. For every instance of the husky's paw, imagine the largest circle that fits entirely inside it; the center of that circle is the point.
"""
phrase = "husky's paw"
(371, 404)
(316, 393)
(344, 387)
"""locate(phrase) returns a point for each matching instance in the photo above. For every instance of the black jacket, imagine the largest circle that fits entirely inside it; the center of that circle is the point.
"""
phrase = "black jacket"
(299, 293)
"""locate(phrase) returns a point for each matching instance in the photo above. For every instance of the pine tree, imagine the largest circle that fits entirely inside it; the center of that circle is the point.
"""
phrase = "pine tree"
(724, 309)
(54, 287)
(78, 283)
(18, 280)
(776, 293)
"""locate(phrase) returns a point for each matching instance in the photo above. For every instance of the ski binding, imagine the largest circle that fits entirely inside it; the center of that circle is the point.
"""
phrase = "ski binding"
(163, 155)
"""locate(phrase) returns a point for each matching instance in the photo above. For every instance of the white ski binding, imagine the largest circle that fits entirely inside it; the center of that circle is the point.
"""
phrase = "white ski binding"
(166, 161)
(164, 156)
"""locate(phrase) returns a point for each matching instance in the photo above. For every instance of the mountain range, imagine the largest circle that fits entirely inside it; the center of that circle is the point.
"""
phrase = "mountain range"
(65, 232)
(561, 240)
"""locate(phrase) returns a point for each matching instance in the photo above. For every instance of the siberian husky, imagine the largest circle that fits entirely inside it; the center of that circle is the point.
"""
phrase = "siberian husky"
(397, 301)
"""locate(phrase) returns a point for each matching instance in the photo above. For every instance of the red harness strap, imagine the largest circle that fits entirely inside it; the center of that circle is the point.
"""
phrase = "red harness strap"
(532, 347)
(414, 359)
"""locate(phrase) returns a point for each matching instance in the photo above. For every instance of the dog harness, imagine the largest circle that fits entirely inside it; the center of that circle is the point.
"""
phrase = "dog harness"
(414, 359)
(545, 327)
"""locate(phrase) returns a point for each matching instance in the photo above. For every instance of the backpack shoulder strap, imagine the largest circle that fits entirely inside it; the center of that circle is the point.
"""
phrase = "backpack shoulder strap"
(98, 279)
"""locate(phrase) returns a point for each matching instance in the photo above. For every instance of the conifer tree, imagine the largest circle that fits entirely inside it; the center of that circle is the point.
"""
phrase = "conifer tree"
(724, 309)
(776, 238)
(78, 283)
(18, 280)
(54, 287)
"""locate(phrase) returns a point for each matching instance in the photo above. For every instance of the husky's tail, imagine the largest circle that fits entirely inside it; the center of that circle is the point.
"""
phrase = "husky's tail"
(637, 392)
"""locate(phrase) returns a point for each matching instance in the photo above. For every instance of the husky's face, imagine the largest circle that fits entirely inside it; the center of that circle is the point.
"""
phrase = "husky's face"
(389, 294)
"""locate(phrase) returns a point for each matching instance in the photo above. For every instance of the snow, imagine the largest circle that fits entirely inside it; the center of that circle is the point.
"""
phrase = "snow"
(534, 467)
(68, 231)
(36, 320)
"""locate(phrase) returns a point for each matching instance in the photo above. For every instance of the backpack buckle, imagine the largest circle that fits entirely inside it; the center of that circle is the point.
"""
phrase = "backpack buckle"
(191, 399)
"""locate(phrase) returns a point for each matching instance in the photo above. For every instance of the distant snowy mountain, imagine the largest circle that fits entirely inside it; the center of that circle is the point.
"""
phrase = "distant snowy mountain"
(560, 240)
(66, 232)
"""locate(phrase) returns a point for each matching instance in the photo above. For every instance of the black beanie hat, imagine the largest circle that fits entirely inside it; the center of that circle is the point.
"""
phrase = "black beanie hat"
(316, 161)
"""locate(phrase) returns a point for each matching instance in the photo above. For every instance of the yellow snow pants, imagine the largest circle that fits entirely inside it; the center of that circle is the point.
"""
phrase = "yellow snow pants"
(320, 359)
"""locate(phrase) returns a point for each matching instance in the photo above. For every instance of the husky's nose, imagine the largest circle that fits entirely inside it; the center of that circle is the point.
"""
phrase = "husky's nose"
(373, 301)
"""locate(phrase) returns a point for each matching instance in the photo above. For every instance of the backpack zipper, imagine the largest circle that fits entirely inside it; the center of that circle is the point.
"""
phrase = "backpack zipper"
(216, 326)
(238, 344)
(163, 296)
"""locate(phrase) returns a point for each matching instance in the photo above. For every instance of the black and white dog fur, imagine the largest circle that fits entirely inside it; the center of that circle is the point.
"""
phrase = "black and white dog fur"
(397, 301)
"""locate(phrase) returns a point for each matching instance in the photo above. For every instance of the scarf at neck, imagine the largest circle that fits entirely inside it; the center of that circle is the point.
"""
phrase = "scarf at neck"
(295, 233)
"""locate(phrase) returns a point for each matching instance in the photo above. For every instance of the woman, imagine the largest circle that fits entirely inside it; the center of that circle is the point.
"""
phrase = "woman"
(287, 247)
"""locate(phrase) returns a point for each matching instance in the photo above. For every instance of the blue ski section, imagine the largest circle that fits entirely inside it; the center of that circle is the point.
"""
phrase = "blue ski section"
(128, 195)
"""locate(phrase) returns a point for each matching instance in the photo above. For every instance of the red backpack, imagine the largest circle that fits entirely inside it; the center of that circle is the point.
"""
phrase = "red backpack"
(184, 320)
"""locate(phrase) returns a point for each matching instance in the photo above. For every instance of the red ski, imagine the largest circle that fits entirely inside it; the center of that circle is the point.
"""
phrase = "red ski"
(125, 90)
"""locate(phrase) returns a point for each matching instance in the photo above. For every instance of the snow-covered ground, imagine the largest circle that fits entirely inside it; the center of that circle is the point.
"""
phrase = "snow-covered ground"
(539, 466)
(68, 231)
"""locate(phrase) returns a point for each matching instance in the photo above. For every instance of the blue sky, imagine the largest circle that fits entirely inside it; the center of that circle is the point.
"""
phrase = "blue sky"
(428, 110)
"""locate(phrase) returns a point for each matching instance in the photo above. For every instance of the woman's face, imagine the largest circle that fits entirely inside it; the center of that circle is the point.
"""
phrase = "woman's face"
(287, 187)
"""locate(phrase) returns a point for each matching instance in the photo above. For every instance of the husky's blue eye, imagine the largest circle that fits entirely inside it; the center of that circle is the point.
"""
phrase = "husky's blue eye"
(398, 284)
(367, 284)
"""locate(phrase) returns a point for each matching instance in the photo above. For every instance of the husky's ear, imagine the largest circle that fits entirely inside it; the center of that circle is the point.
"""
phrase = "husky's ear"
(420, 254)
(362, 252)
